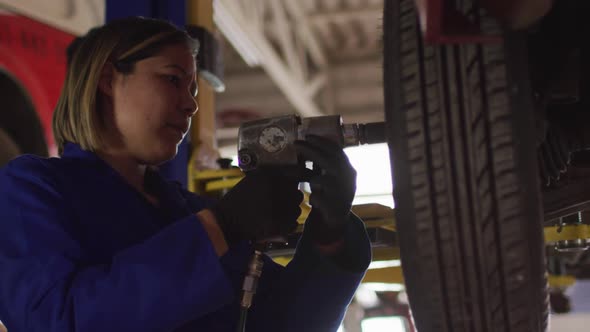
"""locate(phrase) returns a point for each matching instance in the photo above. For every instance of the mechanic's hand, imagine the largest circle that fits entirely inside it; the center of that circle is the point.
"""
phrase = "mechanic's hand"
(333, 185)
(263, 205)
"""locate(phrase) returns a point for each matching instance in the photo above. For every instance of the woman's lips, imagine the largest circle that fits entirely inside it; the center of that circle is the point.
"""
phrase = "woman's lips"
(183, 129)
(179, 131)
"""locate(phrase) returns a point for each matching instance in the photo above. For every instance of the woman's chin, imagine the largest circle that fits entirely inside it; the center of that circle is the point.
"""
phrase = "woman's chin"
(164, 154)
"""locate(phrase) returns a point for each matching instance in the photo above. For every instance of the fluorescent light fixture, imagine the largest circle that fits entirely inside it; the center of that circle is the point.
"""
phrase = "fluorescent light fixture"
(378, 324)
(383, 199)
(384, 287)
(234, 29)
(385, 264)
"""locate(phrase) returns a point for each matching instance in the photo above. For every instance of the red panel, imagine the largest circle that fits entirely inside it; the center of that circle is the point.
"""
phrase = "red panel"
(34, 54)
(442, 24)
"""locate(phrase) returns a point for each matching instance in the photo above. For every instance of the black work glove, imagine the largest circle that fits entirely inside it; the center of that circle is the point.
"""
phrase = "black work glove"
(263, 205)
(333, 185)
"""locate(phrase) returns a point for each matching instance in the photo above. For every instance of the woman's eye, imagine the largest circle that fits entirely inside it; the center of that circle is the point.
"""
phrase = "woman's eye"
(174, 79)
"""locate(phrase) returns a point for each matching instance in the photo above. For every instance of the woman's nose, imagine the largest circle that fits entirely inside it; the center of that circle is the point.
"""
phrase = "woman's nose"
(190, 105)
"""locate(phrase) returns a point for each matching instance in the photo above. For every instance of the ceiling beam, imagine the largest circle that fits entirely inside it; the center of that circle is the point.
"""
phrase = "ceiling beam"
(250, 41)
(73, 16)
(305, 33)
(319, 18)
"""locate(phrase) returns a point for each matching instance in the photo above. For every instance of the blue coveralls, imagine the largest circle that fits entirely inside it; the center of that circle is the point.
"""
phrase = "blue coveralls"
(81, 250)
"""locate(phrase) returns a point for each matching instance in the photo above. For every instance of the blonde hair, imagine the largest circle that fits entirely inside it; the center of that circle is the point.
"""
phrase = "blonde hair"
(123, 42)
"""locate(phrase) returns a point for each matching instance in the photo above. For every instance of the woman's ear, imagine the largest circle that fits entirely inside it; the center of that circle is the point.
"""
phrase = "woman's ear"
(105, 82)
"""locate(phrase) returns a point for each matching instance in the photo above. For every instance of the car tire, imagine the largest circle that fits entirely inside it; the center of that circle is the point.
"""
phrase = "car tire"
(466, 184)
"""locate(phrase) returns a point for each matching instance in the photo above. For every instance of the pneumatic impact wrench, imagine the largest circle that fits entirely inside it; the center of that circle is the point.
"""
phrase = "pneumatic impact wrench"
(269, 143)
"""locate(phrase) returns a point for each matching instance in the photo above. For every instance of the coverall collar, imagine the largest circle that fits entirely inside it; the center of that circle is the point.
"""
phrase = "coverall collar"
(73, 150)
(172, 202)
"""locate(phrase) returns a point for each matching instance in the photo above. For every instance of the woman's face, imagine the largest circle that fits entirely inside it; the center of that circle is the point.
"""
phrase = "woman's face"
(151, 108)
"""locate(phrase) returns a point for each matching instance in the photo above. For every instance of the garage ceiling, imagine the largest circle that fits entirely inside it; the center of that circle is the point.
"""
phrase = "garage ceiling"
(310, 57)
